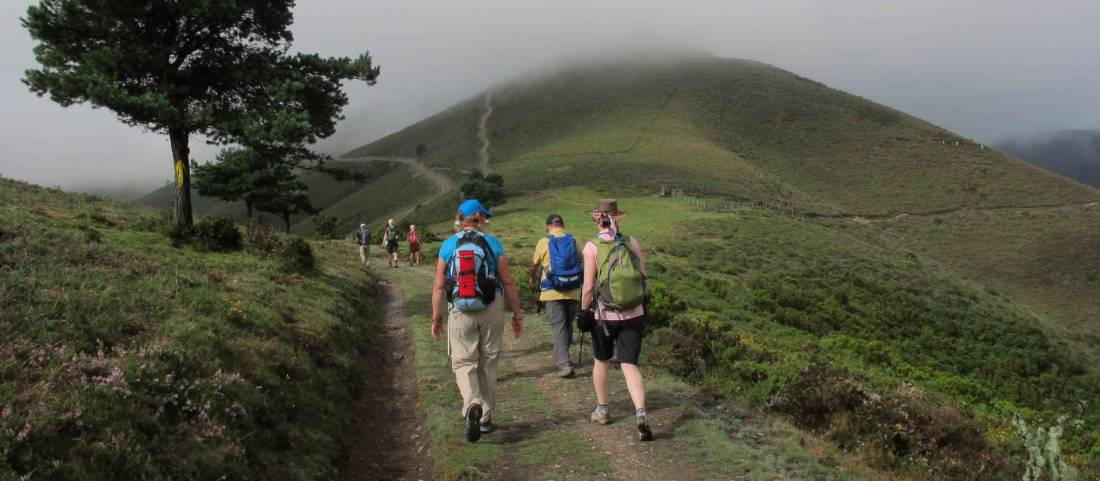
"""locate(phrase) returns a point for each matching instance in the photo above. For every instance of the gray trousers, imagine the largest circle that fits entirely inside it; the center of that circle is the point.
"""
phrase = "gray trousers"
(561, 315)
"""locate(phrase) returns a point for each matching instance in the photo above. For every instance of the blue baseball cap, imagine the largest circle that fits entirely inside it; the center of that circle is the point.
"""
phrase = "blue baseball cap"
(473, 206)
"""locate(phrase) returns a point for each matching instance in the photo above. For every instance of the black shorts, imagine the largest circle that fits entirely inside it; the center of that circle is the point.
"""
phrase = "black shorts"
(624, 337)
(391, 247)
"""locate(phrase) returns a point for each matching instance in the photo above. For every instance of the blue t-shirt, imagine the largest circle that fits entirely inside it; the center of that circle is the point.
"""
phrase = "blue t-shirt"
(447, 250)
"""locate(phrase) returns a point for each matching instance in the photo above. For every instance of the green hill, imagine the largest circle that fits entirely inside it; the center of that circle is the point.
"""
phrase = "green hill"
(738, 129)
(126, 358)
(892, 251)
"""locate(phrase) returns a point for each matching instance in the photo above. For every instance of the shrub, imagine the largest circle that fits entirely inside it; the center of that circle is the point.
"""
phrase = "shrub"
(677, 351)
(178, 235)
(217, 233)
(295, 255)
(325, 226)
(262, 240)
(528, 294)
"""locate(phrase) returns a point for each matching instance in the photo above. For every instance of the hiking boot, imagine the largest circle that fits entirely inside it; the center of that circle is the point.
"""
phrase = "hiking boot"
(600, 417)
(487, 427)
(473, 424)
(644, 433)
(566, 372)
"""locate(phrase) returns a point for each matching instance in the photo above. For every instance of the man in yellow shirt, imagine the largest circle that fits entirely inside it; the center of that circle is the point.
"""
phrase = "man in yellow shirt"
(559, 294)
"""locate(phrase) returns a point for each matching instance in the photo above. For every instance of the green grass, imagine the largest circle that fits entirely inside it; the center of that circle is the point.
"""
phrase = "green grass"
(741, 454)
(763, 297)
(561, 456)
(1042, 257)
(124, 357)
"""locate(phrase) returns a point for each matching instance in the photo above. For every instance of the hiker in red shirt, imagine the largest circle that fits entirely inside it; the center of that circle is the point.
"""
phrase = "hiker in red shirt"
(413, 236)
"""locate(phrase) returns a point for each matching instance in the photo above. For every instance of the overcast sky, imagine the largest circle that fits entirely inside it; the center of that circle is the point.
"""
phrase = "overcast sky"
(984, 69)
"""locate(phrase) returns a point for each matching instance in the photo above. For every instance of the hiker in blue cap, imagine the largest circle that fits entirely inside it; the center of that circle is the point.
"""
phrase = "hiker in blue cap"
(471, 272)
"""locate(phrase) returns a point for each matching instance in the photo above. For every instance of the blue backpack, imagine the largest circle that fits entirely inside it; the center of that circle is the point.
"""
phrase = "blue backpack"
(471, 284)
(566, 269)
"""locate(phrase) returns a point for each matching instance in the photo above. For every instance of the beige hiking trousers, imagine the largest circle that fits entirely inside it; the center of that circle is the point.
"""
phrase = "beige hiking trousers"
(476, 340)
(364, 254)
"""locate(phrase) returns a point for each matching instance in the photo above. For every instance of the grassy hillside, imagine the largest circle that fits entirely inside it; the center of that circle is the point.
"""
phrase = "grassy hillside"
(126, 358)
(450, 137)
(891, 357)
(740, 129)
(1044, 257)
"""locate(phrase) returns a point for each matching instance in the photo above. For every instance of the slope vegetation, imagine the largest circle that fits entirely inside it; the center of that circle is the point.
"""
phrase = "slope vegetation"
(126, 358)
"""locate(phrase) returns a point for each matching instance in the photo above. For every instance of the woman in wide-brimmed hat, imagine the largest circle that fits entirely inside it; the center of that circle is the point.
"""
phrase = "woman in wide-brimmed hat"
(618, 328)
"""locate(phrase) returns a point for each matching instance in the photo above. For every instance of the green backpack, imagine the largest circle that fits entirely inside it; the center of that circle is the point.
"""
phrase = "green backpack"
(621, 285)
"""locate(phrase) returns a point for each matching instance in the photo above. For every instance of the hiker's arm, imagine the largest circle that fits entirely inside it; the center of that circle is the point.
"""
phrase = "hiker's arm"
(641, 257)
(536, 263)
(511, 293)
(437, 298)
(589, 289)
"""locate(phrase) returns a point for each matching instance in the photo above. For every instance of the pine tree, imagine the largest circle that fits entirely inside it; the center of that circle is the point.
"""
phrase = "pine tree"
(219, 68)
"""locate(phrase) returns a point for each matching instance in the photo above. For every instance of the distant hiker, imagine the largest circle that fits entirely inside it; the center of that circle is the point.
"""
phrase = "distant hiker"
(471, 273)
(389, 242)
(614, 278)
(362, 237)
(413, 237)
(557, 268)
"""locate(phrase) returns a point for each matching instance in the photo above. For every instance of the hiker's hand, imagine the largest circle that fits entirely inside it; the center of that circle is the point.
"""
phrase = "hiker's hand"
(437, 329)
(517, 325)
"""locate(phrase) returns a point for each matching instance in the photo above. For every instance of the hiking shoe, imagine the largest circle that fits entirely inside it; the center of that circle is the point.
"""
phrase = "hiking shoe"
(566, 372)
(473, 424)
(487, 427)
(644, 433)
(601, 417)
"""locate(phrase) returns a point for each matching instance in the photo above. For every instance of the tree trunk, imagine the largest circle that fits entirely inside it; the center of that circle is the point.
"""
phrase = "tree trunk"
(286, 220)
(182, 164)
(251, 221)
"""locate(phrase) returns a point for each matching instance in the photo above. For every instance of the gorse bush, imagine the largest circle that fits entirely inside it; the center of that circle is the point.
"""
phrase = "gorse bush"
(295, 255)
(216, 233)
(884, 355)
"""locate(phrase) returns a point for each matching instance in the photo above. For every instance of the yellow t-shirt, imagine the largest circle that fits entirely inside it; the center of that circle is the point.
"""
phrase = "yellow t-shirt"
(542, 257)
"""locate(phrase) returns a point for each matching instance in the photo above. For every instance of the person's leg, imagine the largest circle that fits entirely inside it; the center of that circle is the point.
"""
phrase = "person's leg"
(491, 343)
(635, 384)
(556, 312)
(628, 345)
(599, 379)
(363, 254)
(602, 350)
(463, 336)
(571, 309)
